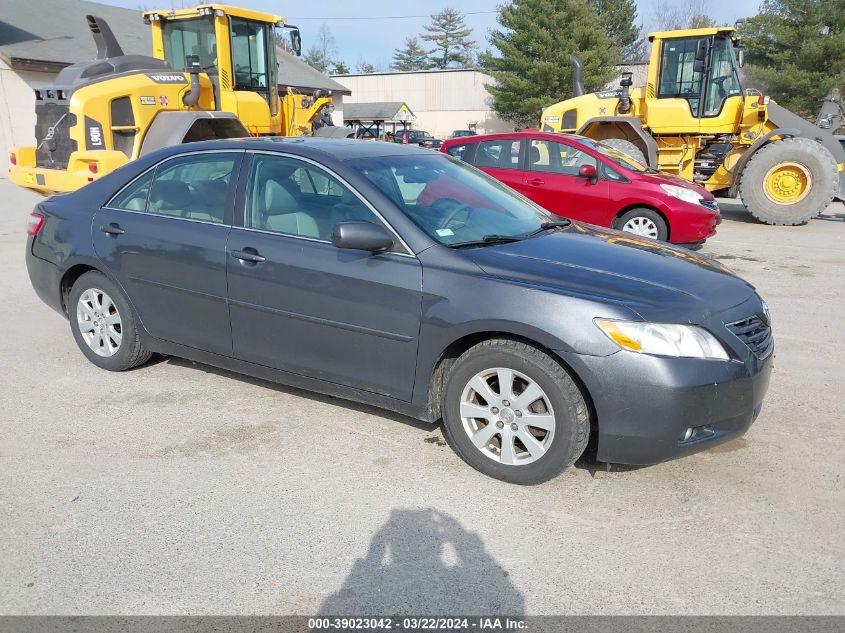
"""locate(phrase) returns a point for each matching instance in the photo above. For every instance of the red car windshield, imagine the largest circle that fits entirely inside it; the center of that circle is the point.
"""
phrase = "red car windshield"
(451, 201)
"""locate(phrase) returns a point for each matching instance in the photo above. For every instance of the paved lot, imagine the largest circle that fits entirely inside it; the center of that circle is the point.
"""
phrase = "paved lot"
(177, 488)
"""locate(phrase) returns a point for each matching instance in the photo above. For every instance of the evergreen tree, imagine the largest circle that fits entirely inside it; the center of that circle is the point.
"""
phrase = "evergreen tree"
(411, 57)
(796, 51)
(451, 39)
(619, 18)
(531, 63)
(340, 68)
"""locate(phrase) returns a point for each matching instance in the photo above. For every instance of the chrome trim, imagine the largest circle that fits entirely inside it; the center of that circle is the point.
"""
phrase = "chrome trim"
(409, 252)
(169, 217)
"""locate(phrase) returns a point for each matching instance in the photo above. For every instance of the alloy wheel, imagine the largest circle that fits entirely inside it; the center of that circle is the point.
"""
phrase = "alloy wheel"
(507, 416)
(99, 322)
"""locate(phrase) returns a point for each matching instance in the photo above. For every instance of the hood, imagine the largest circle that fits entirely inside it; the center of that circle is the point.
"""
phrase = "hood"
(669, 179)
(658, 281)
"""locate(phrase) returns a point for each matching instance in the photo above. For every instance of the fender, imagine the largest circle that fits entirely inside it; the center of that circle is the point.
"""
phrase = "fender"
(737, 170)
(173, 127)
(635, 125)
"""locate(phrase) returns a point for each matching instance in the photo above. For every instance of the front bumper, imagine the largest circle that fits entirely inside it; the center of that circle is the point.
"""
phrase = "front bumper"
(694, 223)
(645, 404)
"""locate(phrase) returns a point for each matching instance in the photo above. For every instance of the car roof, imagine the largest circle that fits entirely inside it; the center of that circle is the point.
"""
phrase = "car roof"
(317, 148)
(551, 136)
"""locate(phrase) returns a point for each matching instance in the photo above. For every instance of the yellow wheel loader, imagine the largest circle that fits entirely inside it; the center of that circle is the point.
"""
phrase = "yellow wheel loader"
(213, 74)
(693, 118)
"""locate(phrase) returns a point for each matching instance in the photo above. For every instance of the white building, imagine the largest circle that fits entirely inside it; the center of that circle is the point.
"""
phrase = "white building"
(441, 100)
(444, 100)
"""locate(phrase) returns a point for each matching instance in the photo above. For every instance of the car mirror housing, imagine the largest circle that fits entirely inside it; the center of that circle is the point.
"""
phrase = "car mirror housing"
(587, 171)
(362, 236)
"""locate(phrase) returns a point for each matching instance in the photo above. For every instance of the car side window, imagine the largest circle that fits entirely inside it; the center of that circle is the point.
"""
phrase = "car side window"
(499, 154)
(193, 187)
(134, 197)
(558, 158)
(290, 196)
(457, 151)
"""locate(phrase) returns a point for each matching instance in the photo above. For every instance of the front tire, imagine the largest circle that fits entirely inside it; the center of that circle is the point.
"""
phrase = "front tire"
(104, 325)
(788, 182)
(512, 412)
(643, 222)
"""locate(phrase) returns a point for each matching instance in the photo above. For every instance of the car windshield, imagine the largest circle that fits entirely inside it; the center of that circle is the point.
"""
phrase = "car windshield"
(453, 202)
(615, 155)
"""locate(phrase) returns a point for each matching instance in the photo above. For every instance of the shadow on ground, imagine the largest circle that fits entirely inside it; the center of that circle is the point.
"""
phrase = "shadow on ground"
(423, 562)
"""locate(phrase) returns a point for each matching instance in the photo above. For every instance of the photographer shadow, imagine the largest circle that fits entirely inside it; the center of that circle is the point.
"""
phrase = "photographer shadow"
(423, 562)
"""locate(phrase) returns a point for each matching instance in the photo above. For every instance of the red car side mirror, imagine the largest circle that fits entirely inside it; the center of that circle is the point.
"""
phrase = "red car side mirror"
(587, 171)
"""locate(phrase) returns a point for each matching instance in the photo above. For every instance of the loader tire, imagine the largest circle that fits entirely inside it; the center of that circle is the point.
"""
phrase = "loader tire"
(627, 148)
(788, 182)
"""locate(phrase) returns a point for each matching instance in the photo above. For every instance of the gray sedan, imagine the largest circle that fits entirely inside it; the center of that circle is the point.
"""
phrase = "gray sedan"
(406, 279)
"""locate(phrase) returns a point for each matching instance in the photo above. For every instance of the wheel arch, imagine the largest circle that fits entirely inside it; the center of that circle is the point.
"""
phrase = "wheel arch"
(453, 351)
(650, 207)
(602, 127)
(170, 128)
(79, 268)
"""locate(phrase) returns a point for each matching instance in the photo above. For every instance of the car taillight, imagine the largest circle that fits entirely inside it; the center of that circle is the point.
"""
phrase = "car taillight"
(34, 223)
(13, 159)
(93, 167)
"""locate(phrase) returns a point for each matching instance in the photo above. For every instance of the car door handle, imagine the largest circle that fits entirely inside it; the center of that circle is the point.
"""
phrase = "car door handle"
(112, 229)
(535, 181)
(250, 255)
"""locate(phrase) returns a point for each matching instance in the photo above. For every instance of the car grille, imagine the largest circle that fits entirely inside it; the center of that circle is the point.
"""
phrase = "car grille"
(710, 204)
(756, 334)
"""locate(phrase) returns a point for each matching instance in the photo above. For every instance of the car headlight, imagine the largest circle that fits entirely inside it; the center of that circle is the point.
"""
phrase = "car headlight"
(766, 313)
(682, 193)
(663, 339)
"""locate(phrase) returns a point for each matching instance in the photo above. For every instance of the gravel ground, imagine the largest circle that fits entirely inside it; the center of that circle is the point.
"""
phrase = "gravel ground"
(181, 489)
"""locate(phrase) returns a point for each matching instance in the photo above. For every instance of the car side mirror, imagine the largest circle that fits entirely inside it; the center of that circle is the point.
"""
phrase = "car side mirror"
(361, 236)
(740, 57)
(588, 171)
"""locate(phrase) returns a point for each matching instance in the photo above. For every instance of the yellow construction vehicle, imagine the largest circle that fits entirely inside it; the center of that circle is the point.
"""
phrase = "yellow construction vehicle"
(693, 118)
(213, 74)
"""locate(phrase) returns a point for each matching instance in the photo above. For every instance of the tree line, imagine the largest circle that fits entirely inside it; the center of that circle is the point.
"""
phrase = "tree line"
(795, 48)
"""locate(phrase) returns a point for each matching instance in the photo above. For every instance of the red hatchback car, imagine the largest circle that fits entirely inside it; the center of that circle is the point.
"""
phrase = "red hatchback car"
(586, 180)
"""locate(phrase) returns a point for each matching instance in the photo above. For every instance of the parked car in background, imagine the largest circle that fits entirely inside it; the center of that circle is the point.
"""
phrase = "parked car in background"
(586, 180)
(406, 279)
(463, 133)
(417, 137)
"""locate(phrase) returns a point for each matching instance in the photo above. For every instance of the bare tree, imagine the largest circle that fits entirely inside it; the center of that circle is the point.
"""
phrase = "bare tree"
(321, 54)
(670, 15)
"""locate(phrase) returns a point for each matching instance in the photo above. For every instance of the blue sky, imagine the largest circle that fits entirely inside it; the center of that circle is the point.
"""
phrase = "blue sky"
(373, 38)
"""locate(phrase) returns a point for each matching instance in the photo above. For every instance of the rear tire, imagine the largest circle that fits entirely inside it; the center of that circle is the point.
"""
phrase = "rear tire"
(525, 432)
(104, 324)
(627, 148)
(788, 182)
(643, 222)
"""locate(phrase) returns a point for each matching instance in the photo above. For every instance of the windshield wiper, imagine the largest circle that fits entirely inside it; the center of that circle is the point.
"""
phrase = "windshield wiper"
(488, 240)
(545, 226)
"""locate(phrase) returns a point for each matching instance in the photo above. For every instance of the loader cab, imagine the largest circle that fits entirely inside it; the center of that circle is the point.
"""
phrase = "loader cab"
(237, 53)
(693, 83)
